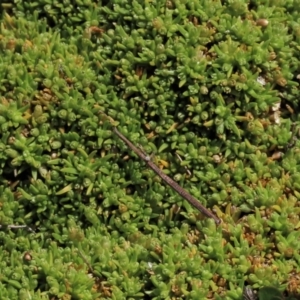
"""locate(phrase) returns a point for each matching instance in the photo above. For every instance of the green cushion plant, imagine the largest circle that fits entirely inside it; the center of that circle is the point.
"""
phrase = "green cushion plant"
(213, 82)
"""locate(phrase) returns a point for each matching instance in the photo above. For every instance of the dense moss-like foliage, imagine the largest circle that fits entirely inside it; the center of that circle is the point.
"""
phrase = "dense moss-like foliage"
(211, 87)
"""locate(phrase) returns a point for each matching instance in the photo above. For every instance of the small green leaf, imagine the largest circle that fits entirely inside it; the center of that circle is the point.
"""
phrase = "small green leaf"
(69, 170)
(65, 189)
(163, 147)
(24, 194)
(182, 83)
(269, 293)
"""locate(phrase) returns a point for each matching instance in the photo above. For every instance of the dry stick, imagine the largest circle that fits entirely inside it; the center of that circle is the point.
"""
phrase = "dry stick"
(17, 227)
(187, 170)
(86, 261)
(173, 184)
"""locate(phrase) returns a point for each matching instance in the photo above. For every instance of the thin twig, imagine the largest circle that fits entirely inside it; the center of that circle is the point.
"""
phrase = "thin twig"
(86, 261)
(17, 227)
(173, 184)
(186, 168)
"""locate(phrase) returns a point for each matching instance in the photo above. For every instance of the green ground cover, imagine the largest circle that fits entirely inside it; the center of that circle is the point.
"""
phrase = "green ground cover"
(211, 88)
